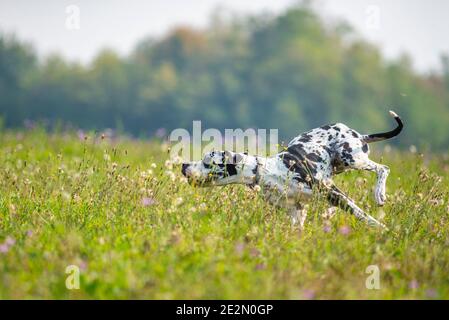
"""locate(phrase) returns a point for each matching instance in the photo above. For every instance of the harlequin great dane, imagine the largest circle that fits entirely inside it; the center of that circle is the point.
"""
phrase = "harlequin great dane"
(307, 165)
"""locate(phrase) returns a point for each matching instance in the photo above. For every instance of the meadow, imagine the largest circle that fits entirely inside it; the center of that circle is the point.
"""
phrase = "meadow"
(121, 212)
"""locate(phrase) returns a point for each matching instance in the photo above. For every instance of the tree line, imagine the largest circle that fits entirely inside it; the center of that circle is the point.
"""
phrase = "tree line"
(292, 72)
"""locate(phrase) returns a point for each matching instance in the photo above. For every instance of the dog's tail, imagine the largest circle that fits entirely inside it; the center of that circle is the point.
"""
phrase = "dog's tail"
(368, 138)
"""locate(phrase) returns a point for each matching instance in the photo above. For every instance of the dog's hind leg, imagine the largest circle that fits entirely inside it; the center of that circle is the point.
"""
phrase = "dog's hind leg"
(354, 155)
(381, 171)
(337, 198)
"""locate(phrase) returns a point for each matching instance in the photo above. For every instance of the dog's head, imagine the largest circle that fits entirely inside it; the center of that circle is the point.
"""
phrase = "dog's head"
(217, 168)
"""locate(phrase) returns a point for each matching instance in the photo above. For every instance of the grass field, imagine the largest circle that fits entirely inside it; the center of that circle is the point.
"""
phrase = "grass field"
(136, 229)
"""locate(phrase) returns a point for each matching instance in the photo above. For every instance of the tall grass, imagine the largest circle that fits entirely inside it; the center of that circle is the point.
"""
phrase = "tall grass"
(125, 216)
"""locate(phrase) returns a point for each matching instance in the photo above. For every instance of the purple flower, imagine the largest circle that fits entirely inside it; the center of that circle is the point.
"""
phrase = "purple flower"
(308, 294)
(254, 252)
(161, 132)
(10, 241)
(4, 248)
(432, 293)
(29, 233)
(345, 230)
(80, 134)
(239, 247)
(83, 265)
(148, 201)
(260, 266)
(413, 285)
(327, 228)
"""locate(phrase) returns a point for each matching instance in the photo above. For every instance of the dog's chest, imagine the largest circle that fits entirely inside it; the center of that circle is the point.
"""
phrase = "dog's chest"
(279, 184)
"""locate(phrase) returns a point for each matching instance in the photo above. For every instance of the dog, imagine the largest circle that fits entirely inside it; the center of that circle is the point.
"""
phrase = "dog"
(289, 178)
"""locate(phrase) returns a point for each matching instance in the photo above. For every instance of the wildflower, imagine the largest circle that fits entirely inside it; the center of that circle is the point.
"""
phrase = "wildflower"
(81, 135)
(83, 265)
(254, 252)
(309, 294)
(168, 164)
(10, 241)
(7, 244)
(183, 180)
(413, 285)
(29, 233)
(153, 165)
(239, 247)
(260, 266)
(257, 188)
(412, 149)
(171, 175)
(202, 206)
(327, 228)
(431, 293)
(161, 132)
(344, 230)
(176, 160)
(178, 201)
(146, 201)
(4, 248)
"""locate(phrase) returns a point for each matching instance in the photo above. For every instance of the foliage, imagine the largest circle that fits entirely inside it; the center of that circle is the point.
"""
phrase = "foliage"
(291, 72)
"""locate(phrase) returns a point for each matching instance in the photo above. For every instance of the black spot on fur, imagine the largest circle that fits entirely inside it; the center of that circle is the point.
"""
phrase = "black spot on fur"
(305, 138)
(304, 169)
(347, 147)
(365, 148)
(326, 127)
(297, 151)
(314, 157)
(231, 170)
(328, 150)
(355, 135)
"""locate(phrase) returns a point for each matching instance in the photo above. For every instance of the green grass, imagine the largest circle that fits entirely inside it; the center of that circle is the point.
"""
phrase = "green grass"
(65, 202)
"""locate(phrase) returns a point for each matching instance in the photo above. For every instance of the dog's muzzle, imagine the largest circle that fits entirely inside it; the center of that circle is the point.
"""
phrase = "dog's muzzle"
(184, 168)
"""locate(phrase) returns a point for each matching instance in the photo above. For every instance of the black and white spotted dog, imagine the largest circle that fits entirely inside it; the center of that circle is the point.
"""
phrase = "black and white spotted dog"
(307, 165)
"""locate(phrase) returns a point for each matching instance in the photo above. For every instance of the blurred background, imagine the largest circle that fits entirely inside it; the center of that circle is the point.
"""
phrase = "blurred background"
(146, 67)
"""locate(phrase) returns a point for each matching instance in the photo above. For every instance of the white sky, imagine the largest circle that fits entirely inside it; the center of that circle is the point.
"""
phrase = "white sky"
(417, 27)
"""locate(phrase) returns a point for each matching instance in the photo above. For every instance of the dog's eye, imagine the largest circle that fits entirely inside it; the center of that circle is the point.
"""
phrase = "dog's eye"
(206, 165)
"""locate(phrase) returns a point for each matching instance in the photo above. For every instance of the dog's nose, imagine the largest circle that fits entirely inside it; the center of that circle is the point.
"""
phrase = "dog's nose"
(184, 168)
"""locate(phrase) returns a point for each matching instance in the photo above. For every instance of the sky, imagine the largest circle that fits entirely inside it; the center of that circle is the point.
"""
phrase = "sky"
(78, 29)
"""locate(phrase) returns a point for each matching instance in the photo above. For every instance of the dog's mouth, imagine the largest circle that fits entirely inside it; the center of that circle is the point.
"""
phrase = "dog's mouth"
(199, 180)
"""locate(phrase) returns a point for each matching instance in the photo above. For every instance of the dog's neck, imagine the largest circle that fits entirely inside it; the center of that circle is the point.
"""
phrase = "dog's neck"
(253, 169)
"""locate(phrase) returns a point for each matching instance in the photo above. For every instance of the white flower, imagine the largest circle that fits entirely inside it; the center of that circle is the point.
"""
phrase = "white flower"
(168, 164)
(153, 165)
(257, 188)
(171, 175)
(178, 201)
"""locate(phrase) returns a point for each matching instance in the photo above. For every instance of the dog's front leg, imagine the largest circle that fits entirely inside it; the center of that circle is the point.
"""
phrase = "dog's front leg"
(298, 214)
(337, 198)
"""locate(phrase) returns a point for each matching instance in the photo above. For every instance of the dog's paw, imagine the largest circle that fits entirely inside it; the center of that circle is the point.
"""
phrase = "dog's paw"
(380, 197)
